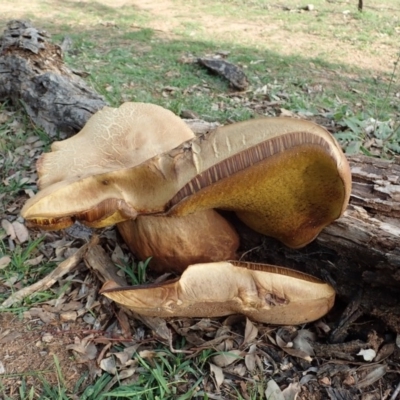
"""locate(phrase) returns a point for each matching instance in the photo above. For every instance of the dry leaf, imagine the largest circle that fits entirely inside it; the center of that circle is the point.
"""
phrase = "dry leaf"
(291, 392)
(286, 113)
(46, 316)
(227, 358)
(68, 316)
(4, 261)
(240, 369)
(297, 353)
(8, 227)
(20, 231)
(151, 353)
(376, 374)
(273, 391)
(218, 374)
(325, 381)
(250, 358)
(385, 351)
(281, 343)
(349, 380)
(108, 365)
(85, 348)
(250, 332)
(35, 261)
(302, 341)
(118, 255)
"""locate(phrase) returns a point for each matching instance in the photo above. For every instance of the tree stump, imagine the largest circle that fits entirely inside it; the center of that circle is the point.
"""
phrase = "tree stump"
(359, 252)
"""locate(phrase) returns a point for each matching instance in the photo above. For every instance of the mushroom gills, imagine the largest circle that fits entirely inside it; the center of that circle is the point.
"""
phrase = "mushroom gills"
(291, 196)
(262, 292)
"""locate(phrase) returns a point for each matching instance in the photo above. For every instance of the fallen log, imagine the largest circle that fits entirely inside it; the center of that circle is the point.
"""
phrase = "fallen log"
(33, 74)
(358, 253)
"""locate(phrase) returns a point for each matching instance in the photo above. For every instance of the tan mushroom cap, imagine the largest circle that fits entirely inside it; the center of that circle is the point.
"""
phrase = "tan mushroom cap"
(263, 293)
(285, 178)
(173, 243)
(113, 138)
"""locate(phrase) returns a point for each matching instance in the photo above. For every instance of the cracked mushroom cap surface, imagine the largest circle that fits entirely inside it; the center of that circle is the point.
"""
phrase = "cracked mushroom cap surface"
(284, 177)
(113, 138)
(264, 293)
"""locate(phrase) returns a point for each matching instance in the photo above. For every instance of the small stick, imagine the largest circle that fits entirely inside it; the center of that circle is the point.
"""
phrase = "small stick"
(396, 392)
(49, 280)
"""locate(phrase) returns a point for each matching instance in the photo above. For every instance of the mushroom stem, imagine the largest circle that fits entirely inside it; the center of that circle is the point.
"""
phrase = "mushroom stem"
(173, 243)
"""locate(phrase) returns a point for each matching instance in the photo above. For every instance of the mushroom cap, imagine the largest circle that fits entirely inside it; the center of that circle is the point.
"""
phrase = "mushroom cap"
(113, 138)
(176, 242)
(285, 178)
(264, 293)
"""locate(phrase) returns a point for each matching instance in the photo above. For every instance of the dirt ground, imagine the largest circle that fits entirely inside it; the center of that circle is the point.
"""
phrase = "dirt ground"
(38, 342)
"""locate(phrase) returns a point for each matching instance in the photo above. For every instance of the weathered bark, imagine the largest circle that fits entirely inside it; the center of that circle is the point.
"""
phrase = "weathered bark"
(33, 74)
(360, 251)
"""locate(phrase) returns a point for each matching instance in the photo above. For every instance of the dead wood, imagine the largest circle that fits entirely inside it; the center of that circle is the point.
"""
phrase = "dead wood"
(98, 261)
(33, 74)
(235, 75)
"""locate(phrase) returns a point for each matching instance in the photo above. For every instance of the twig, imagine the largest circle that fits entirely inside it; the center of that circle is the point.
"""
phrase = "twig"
(64, 268)
(396, 392)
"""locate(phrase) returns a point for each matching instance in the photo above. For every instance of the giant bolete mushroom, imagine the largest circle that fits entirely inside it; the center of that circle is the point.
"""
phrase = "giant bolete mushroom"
(262, 292)
(285, 178)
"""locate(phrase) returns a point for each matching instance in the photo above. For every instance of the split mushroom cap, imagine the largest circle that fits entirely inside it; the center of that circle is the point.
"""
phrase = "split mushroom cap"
(263, 293)
(173, 243)
(284, 177)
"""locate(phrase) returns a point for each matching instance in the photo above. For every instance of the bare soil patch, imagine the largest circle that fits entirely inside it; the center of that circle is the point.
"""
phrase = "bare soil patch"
(27, 350)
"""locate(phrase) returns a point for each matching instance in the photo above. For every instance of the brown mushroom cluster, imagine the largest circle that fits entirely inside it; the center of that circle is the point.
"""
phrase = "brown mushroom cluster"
(141, 167)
